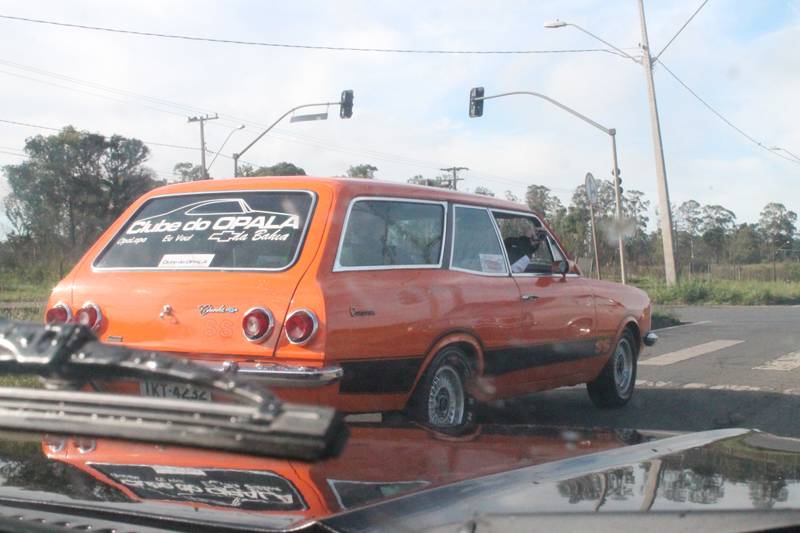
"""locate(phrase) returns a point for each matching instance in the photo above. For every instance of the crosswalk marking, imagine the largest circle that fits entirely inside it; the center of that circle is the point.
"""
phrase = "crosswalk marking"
(790, 361)
(689, 353)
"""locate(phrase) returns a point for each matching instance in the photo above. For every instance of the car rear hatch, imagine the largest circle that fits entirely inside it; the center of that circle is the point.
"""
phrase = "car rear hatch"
(183, 271)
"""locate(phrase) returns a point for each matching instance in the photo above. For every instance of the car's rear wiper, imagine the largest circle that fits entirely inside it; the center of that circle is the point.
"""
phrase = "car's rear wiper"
(68, 356)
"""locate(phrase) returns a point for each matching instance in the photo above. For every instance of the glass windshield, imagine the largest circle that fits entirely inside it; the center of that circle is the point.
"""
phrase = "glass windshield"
(238, 231)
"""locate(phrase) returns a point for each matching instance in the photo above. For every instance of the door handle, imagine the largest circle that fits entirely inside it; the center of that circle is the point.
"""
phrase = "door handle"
(528, 297)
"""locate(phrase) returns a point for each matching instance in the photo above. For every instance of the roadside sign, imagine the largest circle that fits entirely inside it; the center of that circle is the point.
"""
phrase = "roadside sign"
(591, 188)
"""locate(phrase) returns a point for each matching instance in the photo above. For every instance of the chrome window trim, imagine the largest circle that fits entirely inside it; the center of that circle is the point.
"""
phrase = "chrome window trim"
(270, 327)
(338, 267)
(500, 242)
(551, 242)
(300, 243)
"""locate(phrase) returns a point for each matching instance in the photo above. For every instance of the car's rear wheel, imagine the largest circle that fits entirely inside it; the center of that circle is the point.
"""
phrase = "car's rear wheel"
(441, 400)
(614, 386)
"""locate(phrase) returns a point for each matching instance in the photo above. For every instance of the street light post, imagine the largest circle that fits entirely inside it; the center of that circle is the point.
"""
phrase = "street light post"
(234, 130)
(664, 208)
(346, 111)
(615, 170)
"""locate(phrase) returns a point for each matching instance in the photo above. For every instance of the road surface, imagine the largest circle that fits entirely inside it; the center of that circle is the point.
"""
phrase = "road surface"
(728, 367)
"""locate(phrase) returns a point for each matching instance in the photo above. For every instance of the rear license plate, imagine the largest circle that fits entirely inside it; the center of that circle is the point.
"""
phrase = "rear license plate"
(180, 391)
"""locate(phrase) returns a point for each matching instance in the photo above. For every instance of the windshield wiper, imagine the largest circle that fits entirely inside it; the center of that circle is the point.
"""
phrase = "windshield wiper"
(68, 356)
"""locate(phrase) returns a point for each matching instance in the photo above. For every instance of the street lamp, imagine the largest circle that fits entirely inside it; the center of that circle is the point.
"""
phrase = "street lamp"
(476, 110)
(664, 208)
(234, 130)
(345, 111)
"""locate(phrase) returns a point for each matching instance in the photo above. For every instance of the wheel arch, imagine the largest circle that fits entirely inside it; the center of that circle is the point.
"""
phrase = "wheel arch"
(466, 340)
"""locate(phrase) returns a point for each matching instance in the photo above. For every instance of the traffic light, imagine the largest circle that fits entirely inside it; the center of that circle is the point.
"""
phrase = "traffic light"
(346, 104)
(475, 106)
(618, 179)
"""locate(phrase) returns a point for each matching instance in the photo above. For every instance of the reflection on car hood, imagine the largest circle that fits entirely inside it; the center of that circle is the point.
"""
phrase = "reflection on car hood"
(393, 476)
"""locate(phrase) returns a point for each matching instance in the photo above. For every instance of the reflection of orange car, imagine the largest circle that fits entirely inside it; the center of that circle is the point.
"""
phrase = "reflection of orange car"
(224, 481)
(369, 295)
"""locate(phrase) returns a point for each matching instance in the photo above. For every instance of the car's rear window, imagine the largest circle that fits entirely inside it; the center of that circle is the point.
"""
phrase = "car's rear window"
(252, 230)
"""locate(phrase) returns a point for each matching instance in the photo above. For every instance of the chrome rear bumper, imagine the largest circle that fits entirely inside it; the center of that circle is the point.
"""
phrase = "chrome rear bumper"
(650, 338)
(279, 375)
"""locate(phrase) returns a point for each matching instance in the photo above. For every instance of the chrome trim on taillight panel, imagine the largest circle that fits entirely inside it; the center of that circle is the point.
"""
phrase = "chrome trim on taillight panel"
(270, 327)
(99, 321)
(63, 305)
(314, 328)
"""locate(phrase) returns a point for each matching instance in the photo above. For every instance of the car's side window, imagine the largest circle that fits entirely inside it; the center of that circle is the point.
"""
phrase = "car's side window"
(387, 233)
(526, 242)
(476, 247)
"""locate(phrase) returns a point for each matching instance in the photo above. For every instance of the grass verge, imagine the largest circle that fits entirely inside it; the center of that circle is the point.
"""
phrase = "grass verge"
(722, 292)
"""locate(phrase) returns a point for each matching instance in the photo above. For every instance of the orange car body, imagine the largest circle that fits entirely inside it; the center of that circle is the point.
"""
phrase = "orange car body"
(231, 482)
(376, 329)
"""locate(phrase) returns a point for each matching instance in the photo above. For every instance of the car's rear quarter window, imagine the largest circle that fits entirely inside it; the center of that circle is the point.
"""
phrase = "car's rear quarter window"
(249, 230)
(383, 233)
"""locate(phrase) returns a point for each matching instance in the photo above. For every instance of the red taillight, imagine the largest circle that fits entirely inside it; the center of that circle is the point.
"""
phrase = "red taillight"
(257, 324)
(301, 326)
(89, 315)
(58, 314)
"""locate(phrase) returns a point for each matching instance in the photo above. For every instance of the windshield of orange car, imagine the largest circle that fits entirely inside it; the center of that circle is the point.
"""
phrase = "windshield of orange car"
(234, 230)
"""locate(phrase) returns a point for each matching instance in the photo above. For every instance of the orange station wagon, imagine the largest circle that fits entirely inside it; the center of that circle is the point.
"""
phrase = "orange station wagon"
(361, 294)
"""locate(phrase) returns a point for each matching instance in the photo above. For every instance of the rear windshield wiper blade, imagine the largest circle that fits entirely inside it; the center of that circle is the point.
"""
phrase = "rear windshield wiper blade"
(69, 356)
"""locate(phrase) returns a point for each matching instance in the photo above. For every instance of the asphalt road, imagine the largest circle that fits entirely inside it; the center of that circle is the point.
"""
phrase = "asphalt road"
(727, 367)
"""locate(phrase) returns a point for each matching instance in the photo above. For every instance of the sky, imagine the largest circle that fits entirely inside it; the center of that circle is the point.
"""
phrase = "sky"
(410, 114)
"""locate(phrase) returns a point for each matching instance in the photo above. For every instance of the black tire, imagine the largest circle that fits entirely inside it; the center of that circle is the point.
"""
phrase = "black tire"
(441, 400)
(614, 386)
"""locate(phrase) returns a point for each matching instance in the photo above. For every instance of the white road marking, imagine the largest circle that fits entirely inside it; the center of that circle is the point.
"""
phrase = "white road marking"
(689, 353)
(700, 323)
(790, 361)
(735, 387)
(695, 386)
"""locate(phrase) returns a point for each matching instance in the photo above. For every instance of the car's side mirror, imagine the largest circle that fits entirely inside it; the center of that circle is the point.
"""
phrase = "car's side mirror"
(562, 267)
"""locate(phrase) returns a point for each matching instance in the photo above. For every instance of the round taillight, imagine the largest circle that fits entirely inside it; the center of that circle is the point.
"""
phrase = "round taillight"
(58, 314)
(89, 315)
(301, 326)
(257, 324)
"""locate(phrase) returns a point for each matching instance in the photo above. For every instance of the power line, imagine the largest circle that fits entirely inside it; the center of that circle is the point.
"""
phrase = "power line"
(681, 29)
(296, 46)
(725, 120)
(149, 143)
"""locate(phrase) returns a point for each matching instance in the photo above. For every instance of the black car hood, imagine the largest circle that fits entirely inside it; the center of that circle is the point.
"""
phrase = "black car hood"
(402, 478)
(722, 470)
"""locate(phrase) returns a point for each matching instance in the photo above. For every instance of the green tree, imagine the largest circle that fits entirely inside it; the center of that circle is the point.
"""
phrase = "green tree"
(483, 191)
(438, 181)
(540, 199)
(72, 186)
(362, 171)
(777, 224)
(512, 197)
(186, 171)
(283, 168)
(745, 244)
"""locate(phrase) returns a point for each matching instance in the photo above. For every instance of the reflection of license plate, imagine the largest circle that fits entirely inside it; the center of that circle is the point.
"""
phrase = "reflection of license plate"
(166, 389)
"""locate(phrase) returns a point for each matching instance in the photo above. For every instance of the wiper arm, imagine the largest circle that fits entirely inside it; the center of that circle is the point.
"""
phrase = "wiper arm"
(68, 356)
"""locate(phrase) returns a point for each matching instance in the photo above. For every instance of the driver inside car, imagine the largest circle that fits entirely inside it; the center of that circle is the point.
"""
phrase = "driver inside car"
(520, 249)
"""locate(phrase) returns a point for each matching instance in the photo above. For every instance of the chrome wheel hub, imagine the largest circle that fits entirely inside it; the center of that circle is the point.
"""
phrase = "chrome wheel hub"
(446, 400)
(623, 368)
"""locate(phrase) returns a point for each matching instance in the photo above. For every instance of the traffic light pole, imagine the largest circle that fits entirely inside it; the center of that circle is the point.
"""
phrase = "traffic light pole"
(608, 131)
(618, 197)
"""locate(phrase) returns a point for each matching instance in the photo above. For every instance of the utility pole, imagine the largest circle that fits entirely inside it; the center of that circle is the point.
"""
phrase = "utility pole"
(202, 120)
(455, 179)
(664, 208)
